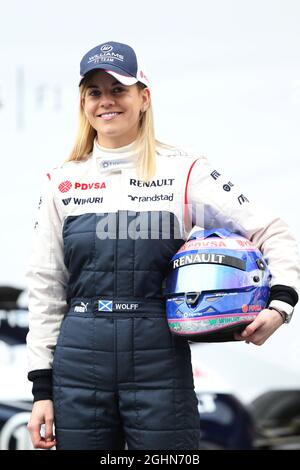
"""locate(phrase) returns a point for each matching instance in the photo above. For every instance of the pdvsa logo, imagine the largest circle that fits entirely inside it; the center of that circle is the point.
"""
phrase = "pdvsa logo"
(85, 186)
(106, 48)
(65, 186)
(250, 308)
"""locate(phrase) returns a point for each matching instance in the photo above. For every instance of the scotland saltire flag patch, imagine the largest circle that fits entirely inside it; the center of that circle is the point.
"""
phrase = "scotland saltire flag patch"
(105, 306)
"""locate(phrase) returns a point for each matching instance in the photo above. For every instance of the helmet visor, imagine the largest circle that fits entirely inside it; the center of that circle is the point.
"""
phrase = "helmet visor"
(209, 277)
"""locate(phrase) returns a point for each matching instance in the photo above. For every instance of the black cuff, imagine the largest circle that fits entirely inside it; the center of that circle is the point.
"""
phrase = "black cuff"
(284, 293)
(42, 384)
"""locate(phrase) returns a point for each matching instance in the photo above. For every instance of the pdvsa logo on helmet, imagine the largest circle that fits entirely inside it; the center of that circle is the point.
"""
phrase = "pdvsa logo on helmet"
(251, 308)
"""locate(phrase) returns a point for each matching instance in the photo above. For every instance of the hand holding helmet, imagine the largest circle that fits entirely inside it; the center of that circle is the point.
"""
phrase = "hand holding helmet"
(264, 325)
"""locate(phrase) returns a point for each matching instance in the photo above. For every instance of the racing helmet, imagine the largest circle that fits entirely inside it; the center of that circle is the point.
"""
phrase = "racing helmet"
(217, 284)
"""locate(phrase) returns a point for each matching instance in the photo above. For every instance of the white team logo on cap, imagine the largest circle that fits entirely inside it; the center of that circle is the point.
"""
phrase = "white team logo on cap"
(106, 48)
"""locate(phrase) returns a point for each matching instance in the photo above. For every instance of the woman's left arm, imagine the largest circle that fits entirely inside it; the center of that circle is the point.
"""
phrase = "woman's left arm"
(214, 201)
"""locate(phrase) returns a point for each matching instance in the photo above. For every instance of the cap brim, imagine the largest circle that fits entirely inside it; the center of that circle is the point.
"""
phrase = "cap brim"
(125, 80)
(117, 73)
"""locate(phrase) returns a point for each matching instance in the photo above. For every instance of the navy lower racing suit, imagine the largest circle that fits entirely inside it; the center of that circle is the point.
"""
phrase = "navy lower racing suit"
(98, 343)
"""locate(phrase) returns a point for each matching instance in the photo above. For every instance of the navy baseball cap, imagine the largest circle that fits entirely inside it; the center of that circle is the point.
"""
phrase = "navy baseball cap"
(117, 59)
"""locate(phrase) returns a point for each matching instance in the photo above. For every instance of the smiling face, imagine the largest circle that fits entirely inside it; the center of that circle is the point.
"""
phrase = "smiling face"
(113, 109)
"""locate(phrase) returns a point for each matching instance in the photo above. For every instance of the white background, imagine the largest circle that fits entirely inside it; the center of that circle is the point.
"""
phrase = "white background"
(225, 78)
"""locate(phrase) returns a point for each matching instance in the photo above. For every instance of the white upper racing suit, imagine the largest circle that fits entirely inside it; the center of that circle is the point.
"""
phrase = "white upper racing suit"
(186, 187)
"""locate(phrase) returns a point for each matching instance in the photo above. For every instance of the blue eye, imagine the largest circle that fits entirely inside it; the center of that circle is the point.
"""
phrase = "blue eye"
(92, 92)
(96, 92)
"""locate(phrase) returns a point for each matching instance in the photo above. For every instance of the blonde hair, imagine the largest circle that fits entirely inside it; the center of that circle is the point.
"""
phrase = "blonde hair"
(146, 141)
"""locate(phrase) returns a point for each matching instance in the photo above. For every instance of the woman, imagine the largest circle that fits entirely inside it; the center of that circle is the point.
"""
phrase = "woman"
(101, 357)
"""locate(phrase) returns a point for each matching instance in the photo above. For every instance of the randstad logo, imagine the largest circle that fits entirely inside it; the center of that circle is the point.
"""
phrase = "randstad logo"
(106, 48)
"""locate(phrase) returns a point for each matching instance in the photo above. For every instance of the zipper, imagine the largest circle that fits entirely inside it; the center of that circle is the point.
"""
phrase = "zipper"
(115, 320)
(116, 256)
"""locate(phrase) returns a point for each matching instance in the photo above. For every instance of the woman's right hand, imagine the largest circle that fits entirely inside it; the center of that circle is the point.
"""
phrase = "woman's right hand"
(42, 413)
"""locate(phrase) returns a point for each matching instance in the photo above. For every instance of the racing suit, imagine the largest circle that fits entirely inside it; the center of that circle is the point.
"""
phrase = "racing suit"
(98, 341)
